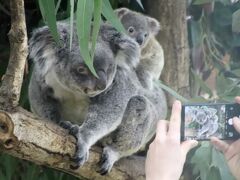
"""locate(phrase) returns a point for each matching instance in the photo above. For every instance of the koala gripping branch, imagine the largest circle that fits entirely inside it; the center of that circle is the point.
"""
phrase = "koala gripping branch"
(28, 137)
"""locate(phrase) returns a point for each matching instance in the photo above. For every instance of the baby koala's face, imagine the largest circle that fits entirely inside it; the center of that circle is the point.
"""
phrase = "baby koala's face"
(140, 27)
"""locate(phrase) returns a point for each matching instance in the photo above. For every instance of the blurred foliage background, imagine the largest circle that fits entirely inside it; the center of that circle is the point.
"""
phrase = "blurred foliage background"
(214, 40)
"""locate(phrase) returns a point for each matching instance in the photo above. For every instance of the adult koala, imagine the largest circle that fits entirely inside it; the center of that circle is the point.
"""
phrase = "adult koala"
(115, 106)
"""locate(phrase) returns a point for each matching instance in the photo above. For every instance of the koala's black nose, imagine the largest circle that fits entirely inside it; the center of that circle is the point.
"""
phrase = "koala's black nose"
(139, 40)
(101, 81)
(101, 85)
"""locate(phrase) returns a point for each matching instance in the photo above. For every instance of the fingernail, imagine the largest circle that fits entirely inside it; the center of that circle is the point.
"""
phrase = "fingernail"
(195, 143)
(237, 99)
(178, 104)
(236, 121)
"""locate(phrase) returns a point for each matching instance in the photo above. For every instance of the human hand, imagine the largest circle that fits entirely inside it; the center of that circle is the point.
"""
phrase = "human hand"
(231, 151)
(166, 155)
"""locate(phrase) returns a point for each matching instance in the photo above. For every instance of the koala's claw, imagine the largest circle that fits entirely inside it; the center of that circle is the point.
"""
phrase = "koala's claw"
(82, 153)
(74, 130)
(105, 165)
(107, 161)
(65, 124)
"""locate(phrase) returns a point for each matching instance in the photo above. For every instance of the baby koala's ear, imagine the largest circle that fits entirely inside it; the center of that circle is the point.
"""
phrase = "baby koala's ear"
(121, 12)
(154, 25)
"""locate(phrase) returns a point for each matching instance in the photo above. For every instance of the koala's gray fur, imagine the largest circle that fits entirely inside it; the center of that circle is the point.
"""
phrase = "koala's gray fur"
(143, 29)
(115, 106)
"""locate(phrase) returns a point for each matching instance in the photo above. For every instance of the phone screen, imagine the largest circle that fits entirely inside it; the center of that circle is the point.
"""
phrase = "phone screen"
(203, 121)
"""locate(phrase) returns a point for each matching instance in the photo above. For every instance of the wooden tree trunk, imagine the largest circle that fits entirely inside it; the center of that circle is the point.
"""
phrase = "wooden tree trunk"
(173, 37)
(26, 136)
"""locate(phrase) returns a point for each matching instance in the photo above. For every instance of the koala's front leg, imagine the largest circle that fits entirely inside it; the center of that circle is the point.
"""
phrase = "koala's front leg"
(104, 116)
(134, 132)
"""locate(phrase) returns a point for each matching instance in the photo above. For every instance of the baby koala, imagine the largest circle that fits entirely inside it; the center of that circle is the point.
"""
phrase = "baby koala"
(143, 30)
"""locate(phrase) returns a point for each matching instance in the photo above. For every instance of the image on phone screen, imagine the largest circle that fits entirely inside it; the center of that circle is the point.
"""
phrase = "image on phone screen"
(202, 121)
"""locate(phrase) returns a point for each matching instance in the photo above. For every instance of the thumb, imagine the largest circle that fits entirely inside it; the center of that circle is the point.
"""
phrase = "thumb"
(188, 145)
(219, 145)
(236, 124)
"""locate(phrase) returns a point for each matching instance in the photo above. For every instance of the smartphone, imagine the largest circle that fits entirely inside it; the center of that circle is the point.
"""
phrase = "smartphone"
(202, 121)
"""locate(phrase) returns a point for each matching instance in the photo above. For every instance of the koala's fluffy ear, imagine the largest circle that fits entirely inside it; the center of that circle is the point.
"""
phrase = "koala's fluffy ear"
(154, 25)
(121, 12)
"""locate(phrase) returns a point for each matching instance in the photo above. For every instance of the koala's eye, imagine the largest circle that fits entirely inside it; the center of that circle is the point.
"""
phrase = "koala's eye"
(81, 70)
(131, 29)
(146, 35)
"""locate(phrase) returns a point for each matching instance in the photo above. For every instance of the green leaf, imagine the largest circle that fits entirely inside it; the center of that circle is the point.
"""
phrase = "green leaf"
(236, 21)
(57, 6)
(227, 88)
(47, 8)
(140, 3)
(84, 16)
(109, 14)
(199, 2)
(198, 99)
(172, 92)
(196, 33)
(202, 160)
(219, 161)
(213, 174)
(96, 24)
(71, 22)
(202, 84)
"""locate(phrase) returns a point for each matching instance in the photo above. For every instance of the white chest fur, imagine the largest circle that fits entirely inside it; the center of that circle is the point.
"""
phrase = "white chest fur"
(74, 105)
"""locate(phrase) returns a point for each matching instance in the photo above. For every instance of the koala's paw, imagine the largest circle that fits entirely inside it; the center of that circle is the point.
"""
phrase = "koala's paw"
(108, 158)
(73, 129)
(82, 152)
(65, 124)
(126, 42)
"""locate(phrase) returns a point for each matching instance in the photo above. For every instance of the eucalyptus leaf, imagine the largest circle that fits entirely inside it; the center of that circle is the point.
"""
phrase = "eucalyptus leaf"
(201, 160)
(172, 92)
(213, 174)
(196, 33)
(57, 6)
(111, 16)
(200, 2)
(84, 16)
(219, 161)
(48, 12)
(71, 22)
(236, 21)
(96, 24)
(202, 84)
(140, 3)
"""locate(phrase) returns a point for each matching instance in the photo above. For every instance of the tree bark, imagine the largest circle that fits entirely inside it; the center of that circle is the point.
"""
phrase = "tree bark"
(173, 37)
(29, 137)
(12, 81)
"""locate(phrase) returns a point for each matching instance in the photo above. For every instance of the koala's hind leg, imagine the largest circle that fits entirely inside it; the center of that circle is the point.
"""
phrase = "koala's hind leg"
(135, 130)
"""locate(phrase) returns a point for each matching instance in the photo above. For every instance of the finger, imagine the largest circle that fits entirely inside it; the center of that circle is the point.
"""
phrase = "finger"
(162, 128)
(175, 120)
(188, 145)
(236, 124)
(237, 99)
(219, 144)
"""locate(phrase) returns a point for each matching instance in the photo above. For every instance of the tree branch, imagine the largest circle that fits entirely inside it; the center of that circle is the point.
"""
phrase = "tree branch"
(28, 137)
(12, 82)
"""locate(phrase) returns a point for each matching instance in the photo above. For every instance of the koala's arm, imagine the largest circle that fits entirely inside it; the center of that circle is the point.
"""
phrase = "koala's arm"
(105, 114)
(42, 101)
